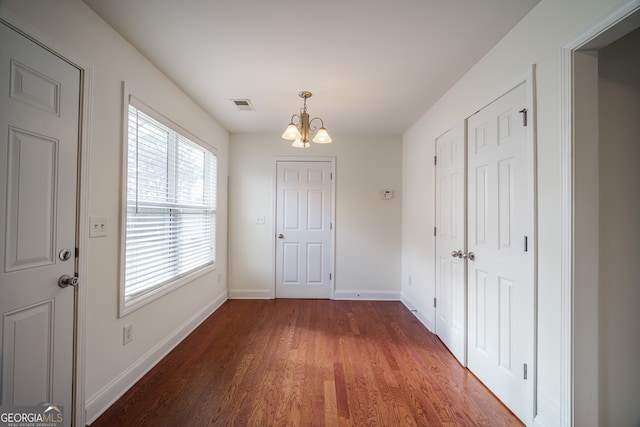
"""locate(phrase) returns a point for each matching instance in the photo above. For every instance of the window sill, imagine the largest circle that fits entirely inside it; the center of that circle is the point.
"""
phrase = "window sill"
(131, 306)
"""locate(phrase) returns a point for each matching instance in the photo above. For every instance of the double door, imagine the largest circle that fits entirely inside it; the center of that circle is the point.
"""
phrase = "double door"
(484, 248)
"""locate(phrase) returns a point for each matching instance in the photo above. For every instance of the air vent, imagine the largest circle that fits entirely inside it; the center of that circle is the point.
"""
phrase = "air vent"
(243, 105)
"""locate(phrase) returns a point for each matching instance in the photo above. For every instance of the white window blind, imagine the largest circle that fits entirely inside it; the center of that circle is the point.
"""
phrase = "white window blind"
(171, 204)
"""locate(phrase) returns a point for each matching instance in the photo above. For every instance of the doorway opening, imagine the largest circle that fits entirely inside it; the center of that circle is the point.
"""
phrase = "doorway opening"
(601, 204)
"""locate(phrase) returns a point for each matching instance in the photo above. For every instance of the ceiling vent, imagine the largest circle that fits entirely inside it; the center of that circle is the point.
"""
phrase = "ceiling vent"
(243, 105)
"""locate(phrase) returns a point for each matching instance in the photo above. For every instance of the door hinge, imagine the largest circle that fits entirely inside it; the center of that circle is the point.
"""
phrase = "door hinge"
(435, 231)
(330, 175)
(525, 371)
(524, 116)
(435, 302)
(526, 244)
(435, 160)
(330, 276)
(77, 253)
(330, 226)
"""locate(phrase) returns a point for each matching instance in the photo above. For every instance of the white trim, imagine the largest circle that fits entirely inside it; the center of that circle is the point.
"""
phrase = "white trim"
(522, 79)
(367, 295)
(250, 294)
(602, 32)
(566, 238)
(83, 244)
(608, 29)
(130, 98)
(332, 255)
(412, 307)
(110, 393)
(86, 97)
(532, 175)
(434, 246)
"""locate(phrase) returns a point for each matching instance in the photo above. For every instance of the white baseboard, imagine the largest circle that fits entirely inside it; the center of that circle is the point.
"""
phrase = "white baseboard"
(410, 304)
(103, 399)
(539, 421)
(337, 295)
(548, 410)
(367, 295)
(251, 294)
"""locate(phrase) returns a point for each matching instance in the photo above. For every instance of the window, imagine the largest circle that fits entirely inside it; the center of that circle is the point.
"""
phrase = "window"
(170, 206)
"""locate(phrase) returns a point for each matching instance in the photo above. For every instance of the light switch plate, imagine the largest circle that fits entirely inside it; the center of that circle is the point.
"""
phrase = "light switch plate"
(97, 226)
(386, 194)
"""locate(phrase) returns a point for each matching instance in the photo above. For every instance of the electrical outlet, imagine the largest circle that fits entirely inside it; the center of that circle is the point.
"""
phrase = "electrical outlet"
(127, 334)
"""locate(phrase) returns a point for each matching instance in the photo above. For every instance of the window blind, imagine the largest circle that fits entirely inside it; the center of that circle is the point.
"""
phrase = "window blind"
(171, 205)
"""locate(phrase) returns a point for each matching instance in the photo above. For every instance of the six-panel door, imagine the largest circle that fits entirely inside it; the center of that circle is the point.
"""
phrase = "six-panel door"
(500, 275)
(303, 228)
(38, 153)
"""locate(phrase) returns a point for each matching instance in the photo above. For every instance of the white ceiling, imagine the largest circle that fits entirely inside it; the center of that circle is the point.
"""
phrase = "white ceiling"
(374, 66)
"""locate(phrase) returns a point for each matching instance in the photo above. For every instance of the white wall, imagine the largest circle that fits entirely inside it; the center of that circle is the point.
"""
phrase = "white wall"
(72, 26)
(619, 270)
(368, 233)
(537, 39)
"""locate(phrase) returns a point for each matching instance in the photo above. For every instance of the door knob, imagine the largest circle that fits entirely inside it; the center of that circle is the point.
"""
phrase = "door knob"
(456, 254)
(471, 256)
(64, 255)
(66, 280)
(280, 236)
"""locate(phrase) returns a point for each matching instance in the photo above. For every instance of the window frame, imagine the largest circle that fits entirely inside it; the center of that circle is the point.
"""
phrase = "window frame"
(181, 280)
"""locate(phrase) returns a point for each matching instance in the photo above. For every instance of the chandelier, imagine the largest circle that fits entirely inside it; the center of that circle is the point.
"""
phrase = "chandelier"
(299, 131)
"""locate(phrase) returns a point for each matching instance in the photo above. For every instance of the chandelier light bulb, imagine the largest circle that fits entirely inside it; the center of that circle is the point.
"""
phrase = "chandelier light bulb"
(322, 137)
(300, 127)
(292, 133)
(298, 144)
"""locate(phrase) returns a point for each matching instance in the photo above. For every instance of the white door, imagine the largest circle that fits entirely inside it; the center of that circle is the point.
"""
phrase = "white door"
(500, 265)
(39, 126)
(451, 295)
(303, 229)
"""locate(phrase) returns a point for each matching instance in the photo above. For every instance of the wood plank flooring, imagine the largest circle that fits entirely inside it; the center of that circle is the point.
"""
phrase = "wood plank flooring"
(309, 363)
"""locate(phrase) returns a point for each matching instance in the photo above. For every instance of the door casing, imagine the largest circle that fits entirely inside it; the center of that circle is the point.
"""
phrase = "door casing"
(578, 289)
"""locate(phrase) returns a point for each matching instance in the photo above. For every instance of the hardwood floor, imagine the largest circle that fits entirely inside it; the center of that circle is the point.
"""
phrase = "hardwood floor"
(309, 363)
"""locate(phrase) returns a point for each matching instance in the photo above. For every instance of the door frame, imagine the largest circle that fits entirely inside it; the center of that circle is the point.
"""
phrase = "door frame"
(82, 200)
(578, 303)
(274, 224)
